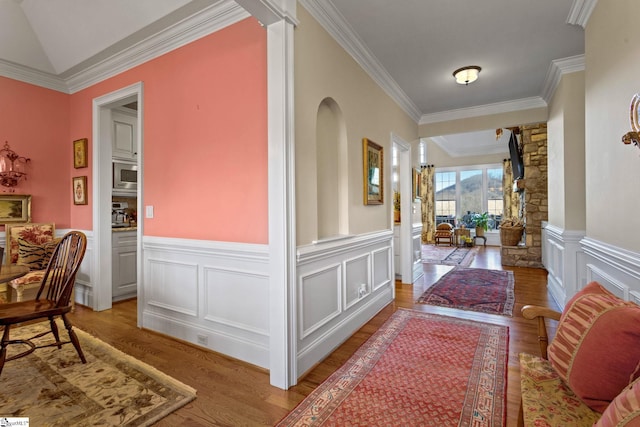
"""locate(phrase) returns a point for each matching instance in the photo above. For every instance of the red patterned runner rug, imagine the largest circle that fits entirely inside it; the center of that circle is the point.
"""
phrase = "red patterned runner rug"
(474, 289)
(417, 369)
(448, 255)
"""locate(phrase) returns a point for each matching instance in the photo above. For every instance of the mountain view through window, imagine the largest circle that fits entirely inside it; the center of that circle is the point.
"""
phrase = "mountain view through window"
(463, 192)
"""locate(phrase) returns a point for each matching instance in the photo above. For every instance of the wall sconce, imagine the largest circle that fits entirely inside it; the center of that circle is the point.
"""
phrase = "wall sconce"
(631, 138)
(466, 75)
(11, 167)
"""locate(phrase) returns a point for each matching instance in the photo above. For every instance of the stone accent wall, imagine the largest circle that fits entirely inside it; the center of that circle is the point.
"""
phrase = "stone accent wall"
(534, 198)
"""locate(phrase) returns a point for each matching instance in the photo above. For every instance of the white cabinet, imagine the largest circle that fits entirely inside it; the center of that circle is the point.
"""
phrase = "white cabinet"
(124, 265)
(124, 132)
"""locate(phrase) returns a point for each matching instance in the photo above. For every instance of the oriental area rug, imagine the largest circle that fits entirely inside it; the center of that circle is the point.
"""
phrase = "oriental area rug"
(448, 255)
(52, 387)
(417, 369)
(474, 289)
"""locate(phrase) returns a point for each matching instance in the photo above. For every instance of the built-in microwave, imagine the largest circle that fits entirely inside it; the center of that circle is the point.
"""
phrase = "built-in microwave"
(125, 176)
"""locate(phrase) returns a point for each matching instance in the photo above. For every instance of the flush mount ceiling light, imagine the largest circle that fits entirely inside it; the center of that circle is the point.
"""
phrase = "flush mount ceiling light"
(466, 75)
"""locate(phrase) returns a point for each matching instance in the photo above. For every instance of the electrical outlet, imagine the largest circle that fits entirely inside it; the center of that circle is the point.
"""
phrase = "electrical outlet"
(202, 339)
(362, 291)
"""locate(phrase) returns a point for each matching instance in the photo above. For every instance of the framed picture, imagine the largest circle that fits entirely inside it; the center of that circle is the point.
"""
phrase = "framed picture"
(373, 172)
(15, 208)
(80, 159)
(417, 178)
(79, 184)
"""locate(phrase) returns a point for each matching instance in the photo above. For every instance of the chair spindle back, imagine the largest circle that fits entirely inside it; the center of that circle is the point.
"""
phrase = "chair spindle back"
(60, 276)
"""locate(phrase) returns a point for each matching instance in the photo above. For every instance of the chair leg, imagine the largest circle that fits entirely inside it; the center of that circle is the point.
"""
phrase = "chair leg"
(74, 338)
(3, 346)
(54, 330)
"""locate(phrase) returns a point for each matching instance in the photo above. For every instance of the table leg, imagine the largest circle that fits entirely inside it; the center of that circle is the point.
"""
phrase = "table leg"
(484, 239)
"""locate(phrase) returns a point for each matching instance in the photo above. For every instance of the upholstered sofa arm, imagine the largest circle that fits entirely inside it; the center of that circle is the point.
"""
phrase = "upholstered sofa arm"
(541, 313)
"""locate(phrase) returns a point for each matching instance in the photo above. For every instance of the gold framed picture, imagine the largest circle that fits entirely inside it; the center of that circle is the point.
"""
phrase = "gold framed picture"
(15, 208)
(79, 184)
(373, 172)
(80, 159)
(417, 178)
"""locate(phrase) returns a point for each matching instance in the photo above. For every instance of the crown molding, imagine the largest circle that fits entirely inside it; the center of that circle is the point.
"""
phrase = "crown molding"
(198, 25)
(484, 110)
(557, 69)
(443, 143)
(580, 12)
(203, 23)
(271, 11)
(31, 76)
(335, 24)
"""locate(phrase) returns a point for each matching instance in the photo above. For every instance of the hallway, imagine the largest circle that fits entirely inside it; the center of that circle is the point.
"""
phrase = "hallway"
(235, 393)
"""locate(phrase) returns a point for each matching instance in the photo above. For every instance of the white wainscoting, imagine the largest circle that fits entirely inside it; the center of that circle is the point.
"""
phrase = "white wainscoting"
(561, 253)
(573, 260)
(215, 294)
(615, 268)
(340, 286)
(212, 294)
(416, 245)
(84, 282)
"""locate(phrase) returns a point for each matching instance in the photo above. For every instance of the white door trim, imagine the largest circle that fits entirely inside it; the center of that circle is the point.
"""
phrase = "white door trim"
(102, 153)
(406, 199)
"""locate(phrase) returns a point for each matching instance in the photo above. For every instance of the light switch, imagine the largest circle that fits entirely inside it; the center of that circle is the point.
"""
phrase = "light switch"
(149, 212)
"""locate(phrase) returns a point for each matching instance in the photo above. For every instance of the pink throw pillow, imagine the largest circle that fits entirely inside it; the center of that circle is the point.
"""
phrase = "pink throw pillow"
(624, 411)
(596, 349)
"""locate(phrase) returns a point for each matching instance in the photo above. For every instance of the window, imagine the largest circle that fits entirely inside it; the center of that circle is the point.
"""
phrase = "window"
(445, 197)
(463, 191)
(495, 200)
(471, 191)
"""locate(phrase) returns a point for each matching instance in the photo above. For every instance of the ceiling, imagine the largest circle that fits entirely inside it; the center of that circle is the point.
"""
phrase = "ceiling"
(411, 47)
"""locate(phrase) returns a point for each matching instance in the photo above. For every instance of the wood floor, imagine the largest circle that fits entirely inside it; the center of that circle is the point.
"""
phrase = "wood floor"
(233, 393)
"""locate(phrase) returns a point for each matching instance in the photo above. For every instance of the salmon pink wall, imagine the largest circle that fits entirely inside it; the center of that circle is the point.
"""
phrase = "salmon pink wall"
(35, 122)
(205, 137)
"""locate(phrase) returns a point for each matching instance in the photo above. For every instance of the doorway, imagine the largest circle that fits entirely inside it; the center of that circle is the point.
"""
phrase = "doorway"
(102, 194)
(403, 150)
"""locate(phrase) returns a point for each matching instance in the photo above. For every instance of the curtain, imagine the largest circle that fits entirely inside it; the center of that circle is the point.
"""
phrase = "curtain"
(510, 202)
(427, 196)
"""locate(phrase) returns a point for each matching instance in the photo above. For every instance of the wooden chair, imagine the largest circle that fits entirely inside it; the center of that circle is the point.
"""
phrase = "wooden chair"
(51, 301)
(539, 313)
(444, 232)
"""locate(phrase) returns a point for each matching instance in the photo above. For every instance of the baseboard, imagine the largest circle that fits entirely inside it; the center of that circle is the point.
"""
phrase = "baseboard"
(248, 351)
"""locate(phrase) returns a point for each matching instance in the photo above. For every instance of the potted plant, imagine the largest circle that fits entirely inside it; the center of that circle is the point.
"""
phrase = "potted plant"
(481, 222)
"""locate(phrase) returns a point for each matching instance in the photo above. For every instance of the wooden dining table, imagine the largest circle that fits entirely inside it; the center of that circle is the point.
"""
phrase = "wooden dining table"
(7, 274)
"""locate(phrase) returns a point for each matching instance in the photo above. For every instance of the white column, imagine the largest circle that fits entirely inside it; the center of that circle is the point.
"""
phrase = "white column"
(282, 225)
